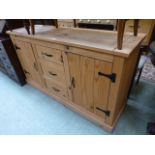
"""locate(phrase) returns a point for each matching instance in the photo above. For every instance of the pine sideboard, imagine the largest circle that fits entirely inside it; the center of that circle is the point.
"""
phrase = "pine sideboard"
(80, 68)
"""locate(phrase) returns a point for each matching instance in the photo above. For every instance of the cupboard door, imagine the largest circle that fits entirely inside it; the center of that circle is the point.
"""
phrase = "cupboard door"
(27, 60)
(82, 77)
(101, 87)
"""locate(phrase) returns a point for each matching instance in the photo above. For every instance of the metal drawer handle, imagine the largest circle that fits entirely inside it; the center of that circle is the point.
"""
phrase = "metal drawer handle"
(48, 55)
(53, 74)
(55, 89)
(16, 47)
(132, 26)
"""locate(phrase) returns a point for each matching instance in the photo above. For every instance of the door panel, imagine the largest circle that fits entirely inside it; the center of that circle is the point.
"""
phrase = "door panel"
(27, 60)
(101, 86)
(82, 75)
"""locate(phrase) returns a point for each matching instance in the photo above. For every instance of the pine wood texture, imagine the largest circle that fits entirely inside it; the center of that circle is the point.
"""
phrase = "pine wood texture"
(53, 70)
(82, 74)
(96, 40)
(68, 69)
(28, 62)
(49, 54)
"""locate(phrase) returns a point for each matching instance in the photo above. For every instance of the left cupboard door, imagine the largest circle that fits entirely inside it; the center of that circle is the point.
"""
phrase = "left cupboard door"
(27, 59)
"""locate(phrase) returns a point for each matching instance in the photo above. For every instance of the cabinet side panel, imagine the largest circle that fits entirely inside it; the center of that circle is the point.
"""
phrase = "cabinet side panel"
(125, 82)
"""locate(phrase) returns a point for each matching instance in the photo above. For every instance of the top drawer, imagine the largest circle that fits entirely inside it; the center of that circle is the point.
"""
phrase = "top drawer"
(49, 54)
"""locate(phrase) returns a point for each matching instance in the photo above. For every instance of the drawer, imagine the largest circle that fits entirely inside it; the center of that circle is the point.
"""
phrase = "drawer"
(49, 54)
(56, 88)
(53, 70)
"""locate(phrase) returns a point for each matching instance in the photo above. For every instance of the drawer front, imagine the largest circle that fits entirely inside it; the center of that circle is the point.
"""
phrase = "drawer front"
(56, 88)
(54, 71)
(49, 54)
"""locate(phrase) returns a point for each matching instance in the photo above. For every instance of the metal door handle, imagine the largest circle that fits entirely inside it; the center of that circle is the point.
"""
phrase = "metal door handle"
(26, 72)
(112, 76)
(73, 82)
(107, 112)
(52, 73)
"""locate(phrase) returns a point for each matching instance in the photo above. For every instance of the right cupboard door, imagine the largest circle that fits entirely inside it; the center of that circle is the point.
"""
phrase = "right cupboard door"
(90, 89)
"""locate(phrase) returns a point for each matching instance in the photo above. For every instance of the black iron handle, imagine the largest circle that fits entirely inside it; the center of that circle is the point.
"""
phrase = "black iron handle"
(55, 89)
(107, 112)
(48, 55)
(73, 82)
(17, 48)
(26, 72)
(53, 74)
(112, 76)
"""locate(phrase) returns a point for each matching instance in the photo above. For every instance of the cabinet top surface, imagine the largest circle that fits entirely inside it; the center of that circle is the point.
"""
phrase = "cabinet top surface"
(97, 40)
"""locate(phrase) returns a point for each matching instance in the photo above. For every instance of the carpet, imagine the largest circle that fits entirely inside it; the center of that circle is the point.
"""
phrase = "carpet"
(28, 111)
(148, 72)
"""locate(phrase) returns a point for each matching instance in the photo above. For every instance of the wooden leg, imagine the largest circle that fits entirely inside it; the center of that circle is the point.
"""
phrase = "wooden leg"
(75, 24)
(26, 25)
(136, 23)
(139, 74)
(32, 26)
(56, 23)
(120, 32)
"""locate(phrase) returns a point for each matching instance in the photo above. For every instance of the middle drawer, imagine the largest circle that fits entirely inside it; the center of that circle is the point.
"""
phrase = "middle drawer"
(54, 71)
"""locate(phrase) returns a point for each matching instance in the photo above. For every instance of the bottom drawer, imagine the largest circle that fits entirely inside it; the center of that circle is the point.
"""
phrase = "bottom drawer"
(56, 88)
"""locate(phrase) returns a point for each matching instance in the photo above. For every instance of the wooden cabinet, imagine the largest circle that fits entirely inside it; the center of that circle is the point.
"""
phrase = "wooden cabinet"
(28, 62)
(82, 69)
